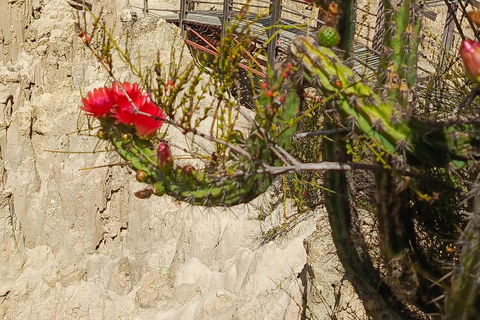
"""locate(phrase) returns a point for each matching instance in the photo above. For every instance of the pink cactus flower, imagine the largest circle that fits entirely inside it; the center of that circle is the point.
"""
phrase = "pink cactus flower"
(125, 112)
(470, 54)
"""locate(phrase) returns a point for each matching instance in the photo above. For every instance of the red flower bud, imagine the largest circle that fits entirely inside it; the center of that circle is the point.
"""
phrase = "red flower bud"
(164, 155)
(470, 54)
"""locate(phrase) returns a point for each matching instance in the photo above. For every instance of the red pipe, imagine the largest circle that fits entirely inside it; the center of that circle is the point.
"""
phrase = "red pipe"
(207, 50)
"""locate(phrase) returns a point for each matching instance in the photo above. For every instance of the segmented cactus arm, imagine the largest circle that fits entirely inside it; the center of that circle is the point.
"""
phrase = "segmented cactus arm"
(418, 142)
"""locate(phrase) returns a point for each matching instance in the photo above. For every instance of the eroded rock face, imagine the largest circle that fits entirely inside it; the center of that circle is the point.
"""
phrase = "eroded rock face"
(76, 244)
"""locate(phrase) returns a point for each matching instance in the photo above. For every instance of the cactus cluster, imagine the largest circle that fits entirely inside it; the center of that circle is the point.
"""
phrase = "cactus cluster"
(380, 115)
(384, 115)
(129, 120)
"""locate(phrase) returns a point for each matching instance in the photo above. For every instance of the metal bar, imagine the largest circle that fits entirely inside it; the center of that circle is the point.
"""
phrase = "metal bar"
(261, 1)
(156, 9)
(258, 73)
(238, 7)
(251, 57)
(200, 47)
(207, 2)
(227, 8)
(301, 2)
(447, 38)
(145, 6)
(203, 39)
(275, 13)
(183, 4)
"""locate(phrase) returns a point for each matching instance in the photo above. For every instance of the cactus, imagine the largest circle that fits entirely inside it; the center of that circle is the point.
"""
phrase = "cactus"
(239, 182)
(419, 142)
(396, 81)
(463, 301)
(401, 140)
(397, 74)
(131, 119)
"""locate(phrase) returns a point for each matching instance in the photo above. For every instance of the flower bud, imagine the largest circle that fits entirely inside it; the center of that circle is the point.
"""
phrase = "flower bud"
(164, 155)
(470, 54)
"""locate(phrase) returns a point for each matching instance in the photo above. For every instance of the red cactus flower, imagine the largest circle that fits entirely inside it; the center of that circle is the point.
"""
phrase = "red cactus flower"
(470, 54)
(128, 114)
(98, 103)
(147, 125)
(128, 105)
(164, 155)
(123, 110)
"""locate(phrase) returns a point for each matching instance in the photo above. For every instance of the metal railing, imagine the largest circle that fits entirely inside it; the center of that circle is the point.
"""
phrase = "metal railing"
(274, 9)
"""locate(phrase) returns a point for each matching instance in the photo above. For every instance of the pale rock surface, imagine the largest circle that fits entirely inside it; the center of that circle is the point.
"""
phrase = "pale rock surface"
(76, 244)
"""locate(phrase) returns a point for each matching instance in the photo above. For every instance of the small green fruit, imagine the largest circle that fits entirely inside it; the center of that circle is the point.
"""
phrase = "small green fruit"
(159, 188)
(328, 36)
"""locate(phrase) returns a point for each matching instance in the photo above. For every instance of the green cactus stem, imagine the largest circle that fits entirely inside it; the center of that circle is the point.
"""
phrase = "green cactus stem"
(398, 61)
(463, 300)
(421, 143)
(198, 188)
(379, 301)
(396, 81)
